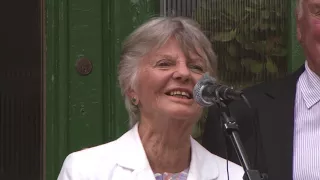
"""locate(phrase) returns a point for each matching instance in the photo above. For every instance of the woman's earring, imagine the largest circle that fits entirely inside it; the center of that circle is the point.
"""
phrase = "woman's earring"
(134, 101)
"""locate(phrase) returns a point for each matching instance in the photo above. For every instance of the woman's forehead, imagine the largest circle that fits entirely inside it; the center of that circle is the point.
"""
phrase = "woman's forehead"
(174, 55)
(172, 45)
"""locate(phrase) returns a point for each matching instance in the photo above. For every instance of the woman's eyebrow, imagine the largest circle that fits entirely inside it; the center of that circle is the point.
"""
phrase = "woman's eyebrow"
(167, 56)
(196, 59)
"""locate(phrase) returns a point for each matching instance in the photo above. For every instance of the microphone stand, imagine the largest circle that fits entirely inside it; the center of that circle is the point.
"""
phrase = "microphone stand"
(231, 128)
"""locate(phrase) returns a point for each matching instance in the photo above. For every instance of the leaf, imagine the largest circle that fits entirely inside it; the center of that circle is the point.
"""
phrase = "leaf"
(249, 9)
(271, 66)
(260, 46)
(240, 38)
(234, 11)
(253, 66)
(255, 2)
(255, 26)
(278, 51)
(246, 62)
(233, 50)
(231, 64)
(264, 26)
(225, 36)
(248, 46)
(245, 18)
(256, 67)
(265, 14)
(273, 27)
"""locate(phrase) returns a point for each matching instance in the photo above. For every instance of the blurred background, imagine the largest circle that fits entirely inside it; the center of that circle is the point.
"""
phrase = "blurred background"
(58, 81)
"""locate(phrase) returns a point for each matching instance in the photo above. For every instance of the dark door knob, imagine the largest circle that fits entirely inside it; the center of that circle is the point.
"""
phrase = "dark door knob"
(84, 66)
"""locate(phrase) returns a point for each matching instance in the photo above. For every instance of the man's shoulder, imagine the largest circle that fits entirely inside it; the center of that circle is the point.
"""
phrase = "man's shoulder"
(263, 86)
(260, 94)
(276, 84)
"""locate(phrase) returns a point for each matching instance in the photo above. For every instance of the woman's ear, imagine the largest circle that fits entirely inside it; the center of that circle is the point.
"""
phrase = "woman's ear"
(133, 97)
(130, 93)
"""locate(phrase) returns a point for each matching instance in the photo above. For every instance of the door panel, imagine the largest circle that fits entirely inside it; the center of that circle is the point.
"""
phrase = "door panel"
(86, 109)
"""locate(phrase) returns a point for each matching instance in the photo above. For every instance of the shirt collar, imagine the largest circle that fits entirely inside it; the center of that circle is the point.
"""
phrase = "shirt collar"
(310, 87)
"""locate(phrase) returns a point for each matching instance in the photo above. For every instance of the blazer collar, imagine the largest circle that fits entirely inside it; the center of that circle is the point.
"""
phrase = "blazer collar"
(288, 82)
(203, 164)
(310, 87)
(277, 113)
(132, 152)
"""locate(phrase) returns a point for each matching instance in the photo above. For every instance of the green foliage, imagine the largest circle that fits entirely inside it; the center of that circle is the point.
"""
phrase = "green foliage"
(249, 37)
(247, 34)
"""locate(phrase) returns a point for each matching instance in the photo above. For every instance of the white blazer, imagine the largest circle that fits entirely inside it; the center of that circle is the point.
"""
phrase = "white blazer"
(125, 159)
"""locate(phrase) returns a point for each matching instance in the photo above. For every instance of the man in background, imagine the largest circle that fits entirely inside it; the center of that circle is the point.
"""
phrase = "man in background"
(285, 142)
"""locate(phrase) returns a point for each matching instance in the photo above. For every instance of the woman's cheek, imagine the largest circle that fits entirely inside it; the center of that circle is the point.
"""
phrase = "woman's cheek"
(316, 28)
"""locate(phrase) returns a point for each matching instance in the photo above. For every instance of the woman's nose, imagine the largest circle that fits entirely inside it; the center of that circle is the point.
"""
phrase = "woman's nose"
(182, 72)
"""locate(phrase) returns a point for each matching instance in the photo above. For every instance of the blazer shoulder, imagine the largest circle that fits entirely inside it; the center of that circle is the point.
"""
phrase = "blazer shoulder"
(277, 84)
(86, 162)
(257, 89)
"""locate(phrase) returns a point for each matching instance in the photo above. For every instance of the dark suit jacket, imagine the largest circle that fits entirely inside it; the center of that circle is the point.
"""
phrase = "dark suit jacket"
(269, 144)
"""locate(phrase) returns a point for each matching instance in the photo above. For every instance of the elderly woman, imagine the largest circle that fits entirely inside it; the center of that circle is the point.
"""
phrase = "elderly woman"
(160, 64)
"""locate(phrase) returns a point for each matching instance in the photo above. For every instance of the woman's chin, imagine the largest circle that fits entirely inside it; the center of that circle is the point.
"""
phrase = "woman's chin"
(183, 113)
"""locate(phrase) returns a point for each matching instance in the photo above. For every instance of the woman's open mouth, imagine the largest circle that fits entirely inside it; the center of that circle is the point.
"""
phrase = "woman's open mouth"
(180, 94)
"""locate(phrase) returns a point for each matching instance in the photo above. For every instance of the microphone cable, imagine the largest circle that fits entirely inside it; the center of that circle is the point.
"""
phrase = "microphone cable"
(255, 126)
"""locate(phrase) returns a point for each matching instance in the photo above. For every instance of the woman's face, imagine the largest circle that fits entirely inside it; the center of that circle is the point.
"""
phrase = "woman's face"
(166, 79)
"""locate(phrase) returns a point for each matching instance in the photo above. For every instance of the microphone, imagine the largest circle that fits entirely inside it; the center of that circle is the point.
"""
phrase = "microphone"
(208, 91)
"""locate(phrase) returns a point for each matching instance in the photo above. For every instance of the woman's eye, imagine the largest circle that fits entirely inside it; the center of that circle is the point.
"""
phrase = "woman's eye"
(164, 63)
(197, 67)
(315, 9)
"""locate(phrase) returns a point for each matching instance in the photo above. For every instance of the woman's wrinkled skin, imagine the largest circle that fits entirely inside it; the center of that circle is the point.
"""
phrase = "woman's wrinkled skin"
(166, 121)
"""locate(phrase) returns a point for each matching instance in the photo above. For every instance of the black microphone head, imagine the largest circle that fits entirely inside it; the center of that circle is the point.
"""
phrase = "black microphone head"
(198, 90)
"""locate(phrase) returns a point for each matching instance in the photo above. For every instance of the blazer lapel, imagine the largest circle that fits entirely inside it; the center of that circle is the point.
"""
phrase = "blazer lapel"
(135, 165)
(203, 164)
(132, 159)
(277, 115)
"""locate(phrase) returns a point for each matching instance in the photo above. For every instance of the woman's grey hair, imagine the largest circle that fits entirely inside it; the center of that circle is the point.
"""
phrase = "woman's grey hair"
(299, 8)
(152, 35)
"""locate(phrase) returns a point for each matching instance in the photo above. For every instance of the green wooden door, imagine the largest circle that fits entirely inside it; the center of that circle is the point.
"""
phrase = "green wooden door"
(85, 110)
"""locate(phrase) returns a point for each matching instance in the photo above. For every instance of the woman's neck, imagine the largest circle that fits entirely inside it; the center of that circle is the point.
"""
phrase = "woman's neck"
(167, 147)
